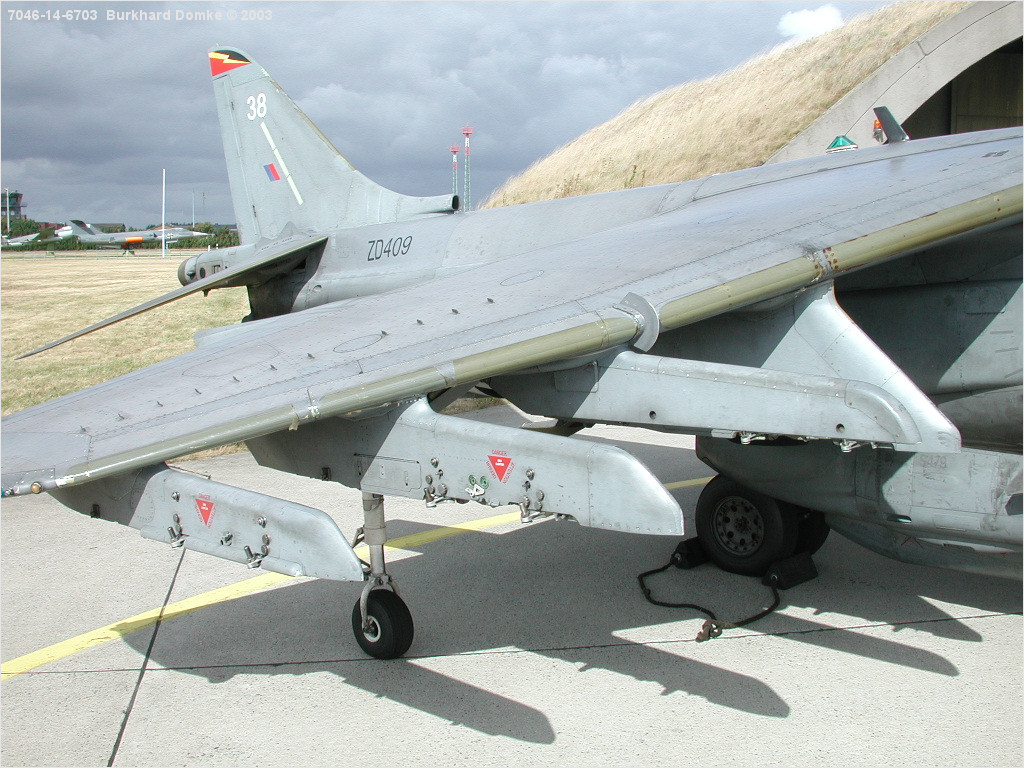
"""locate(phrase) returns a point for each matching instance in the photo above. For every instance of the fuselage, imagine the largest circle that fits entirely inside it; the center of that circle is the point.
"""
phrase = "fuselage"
(376, 258)
(116, 238)
(977, 384)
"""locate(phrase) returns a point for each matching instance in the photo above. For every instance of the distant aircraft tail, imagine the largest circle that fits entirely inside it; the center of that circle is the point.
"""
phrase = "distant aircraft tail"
(283, 171)
(79, 227)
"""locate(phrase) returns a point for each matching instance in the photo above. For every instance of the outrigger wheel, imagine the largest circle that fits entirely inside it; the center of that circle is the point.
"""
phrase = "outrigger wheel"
(380, 619)
(743, 531)
(388, 630)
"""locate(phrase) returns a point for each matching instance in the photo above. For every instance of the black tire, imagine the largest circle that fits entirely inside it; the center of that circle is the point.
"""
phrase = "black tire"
(813, 529)
(391, 630)
(744, 531)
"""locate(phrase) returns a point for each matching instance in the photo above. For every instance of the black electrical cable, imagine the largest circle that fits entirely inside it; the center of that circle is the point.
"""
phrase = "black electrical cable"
(713, 626)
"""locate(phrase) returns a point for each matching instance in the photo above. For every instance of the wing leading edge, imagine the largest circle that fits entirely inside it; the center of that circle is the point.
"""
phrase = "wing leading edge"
(283, 254)
(529, 310)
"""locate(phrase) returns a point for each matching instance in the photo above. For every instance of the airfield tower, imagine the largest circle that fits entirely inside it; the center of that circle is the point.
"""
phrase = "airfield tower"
(13, 207)
(454, 149)
(467, 132)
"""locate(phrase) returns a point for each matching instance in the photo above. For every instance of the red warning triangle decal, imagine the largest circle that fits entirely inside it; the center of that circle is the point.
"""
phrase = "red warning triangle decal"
(500, 465)
(205, 507)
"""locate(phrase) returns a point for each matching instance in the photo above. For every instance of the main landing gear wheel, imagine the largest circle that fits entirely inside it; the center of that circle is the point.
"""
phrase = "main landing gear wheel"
(743, 531)
(388, 631)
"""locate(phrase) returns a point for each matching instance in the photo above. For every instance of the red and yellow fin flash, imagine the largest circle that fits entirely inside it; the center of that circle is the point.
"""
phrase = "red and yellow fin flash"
(225, 61)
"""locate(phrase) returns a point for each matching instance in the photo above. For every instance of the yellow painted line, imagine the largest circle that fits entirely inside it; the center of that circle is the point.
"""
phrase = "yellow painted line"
(688, 483)
(118, 630)
(434, 534)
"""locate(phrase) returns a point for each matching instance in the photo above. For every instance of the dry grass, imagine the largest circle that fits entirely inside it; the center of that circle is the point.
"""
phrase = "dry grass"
(472, 403)
(732, 121)
(42, 299)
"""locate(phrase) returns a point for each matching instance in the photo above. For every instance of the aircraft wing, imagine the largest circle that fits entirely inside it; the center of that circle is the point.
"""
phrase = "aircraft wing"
(283, 253)
(726, 246)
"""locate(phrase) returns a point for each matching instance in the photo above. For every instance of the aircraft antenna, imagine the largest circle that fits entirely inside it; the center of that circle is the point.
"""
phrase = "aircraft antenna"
(454, 149)
(467, 132)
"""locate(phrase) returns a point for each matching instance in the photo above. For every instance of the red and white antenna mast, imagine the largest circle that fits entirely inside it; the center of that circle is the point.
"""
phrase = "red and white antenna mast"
(454, 149)
(467, 132)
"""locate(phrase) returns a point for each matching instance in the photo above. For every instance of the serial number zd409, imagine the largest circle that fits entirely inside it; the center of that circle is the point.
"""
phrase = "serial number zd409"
(396, 246)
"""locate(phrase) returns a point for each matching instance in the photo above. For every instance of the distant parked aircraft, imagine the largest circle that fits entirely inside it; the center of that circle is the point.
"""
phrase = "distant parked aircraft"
(89, 234)
(6, 241)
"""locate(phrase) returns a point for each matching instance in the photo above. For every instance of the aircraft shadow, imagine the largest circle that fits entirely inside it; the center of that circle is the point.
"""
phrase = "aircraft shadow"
(558, 590)
(534, 601)
(852, 576)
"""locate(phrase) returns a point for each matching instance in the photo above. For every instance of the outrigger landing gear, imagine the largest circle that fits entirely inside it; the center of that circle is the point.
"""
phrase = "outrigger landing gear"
(380, 619)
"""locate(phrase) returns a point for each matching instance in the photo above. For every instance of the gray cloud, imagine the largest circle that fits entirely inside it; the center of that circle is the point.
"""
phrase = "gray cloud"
(91, 111)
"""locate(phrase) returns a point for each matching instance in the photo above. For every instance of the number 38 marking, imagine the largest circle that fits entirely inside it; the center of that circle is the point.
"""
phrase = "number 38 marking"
(257, 106)
(396, 246)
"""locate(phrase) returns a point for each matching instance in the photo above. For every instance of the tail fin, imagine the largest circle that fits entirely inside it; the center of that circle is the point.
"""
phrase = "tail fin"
(283, 171)
(79, 227)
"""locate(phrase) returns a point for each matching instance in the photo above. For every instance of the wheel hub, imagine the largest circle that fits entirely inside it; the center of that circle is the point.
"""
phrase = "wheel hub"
(371, 629)
(738, 526)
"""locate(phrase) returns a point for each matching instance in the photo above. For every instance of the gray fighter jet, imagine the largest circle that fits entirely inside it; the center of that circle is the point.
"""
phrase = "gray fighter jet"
(10, 242)
(127, 240)
(842, 333)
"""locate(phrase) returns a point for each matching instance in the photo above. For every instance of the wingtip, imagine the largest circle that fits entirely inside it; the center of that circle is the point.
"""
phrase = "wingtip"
(23, 355)
(45, 347)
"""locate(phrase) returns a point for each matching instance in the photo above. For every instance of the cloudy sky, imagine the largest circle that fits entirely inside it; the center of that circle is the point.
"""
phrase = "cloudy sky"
(92, 110)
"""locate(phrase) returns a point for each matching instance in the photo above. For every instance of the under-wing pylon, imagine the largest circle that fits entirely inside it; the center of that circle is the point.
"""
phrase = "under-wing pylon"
(842, 333)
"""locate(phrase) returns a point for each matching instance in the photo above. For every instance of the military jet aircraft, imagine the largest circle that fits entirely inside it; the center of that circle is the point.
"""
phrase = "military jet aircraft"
(842, 333)
(126, 240)
(10, 242)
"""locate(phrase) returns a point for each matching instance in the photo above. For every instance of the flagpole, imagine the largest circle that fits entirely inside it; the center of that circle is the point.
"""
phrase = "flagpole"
(163, 216)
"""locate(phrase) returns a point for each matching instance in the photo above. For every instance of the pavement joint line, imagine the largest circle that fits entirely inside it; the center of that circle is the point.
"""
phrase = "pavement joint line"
(554, 649)
(119, 629)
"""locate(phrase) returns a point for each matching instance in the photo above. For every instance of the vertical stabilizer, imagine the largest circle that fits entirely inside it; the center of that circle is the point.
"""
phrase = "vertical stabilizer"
(79, 227)
(283, 171)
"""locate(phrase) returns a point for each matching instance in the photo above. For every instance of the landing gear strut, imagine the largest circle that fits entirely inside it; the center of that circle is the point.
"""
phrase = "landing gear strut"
(380, 619)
